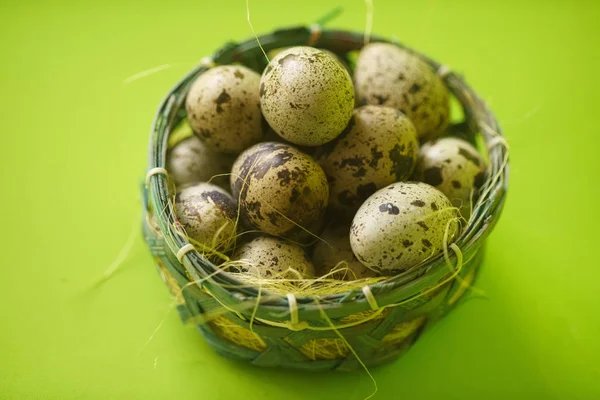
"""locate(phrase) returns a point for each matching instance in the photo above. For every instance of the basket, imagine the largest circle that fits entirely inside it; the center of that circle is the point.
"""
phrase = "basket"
(343, 331)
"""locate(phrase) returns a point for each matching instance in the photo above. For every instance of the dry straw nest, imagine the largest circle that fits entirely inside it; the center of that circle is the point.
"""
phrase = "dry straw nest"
(368, 322)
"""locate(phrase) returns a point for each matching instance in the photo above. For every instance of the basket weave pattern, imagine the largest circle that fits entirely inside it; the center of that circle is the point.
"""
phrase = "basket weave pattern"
(270, 330)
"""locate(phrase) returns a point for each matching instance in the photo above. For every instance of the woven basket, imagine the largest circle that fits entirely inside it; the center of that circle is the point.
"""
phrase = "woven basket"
(267, 329)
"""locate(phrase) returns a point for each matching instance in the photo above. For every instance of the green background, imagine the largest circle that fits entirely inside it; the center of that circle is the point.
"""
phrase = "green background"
(73, 149)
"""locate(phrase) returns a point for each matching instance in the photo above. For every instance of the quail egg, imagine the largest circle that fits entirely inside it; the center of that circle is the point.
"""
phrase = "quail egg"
(387, 75)
(270, 257)
(191, 162)
(223, 108)
(378, 147)
(306, 96)
(333, 252)
(280, 190)
(455, 168)
(208, 215)
(402, 225)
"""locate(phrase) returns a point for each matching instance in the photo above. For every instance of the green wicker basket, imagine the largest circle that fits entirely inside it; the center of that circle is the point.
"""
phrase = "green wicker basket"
(267, 329)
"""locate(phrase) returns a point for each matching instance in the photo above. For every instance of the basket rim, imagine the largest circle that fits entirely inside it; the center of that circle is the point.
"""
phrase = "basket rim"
(478, 118)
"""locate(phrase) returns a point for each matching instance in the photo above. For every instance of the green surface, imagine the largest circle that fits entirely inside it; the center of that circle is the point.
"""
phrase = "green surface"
(74, 140)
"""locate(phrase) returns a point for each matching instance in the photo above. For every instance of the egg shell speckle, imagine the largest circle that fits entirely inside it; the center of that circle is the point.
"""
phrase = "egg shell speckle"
(223, 108)
(306, 96)
(208, 215)
(401, 225)
(270, 257)
(335, 248)
(378, 147)
(388, 75)
(190, 161)
(455, 168)
(273, 53)
(279, 188)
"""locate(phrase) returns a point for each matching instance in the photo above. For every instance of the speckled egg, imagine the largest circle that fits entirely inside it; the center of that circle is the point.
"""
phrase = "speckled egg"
(378, 147)
(334, 252)
(402, 225)
(190, 161)
(279, 188)
(306, 96)
(388, 75)
(269, 257)
(208, 215)
(223, 108)
(455, 168)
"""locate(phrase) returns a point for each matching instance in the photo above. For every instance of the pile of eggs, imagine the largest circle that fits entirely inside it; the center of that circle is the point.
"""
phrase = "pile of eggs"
(307, 171)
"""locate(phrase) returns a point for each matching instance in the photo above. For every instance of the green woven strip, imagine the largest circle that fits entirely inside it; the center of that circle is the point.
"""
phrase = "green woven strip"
(277, 350)
(226, 348)
(365, 344)
(394, 316)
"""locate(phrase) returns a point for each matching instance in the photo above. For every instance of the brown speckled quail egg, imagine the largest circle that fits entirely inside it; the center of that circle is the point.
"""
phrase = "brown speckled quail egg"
(223, 108)
(270, 257)
(191, 162)
(278, 188)
(379, 147)
(401, 225)
(334, 252)
(388, 75)
(454, 167)
(208, 215)
(306, 96)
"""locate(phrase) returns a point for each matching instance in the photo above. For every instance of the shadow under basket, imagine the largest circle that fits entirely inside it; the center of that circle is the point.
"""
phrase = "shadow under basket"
(373, 324)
